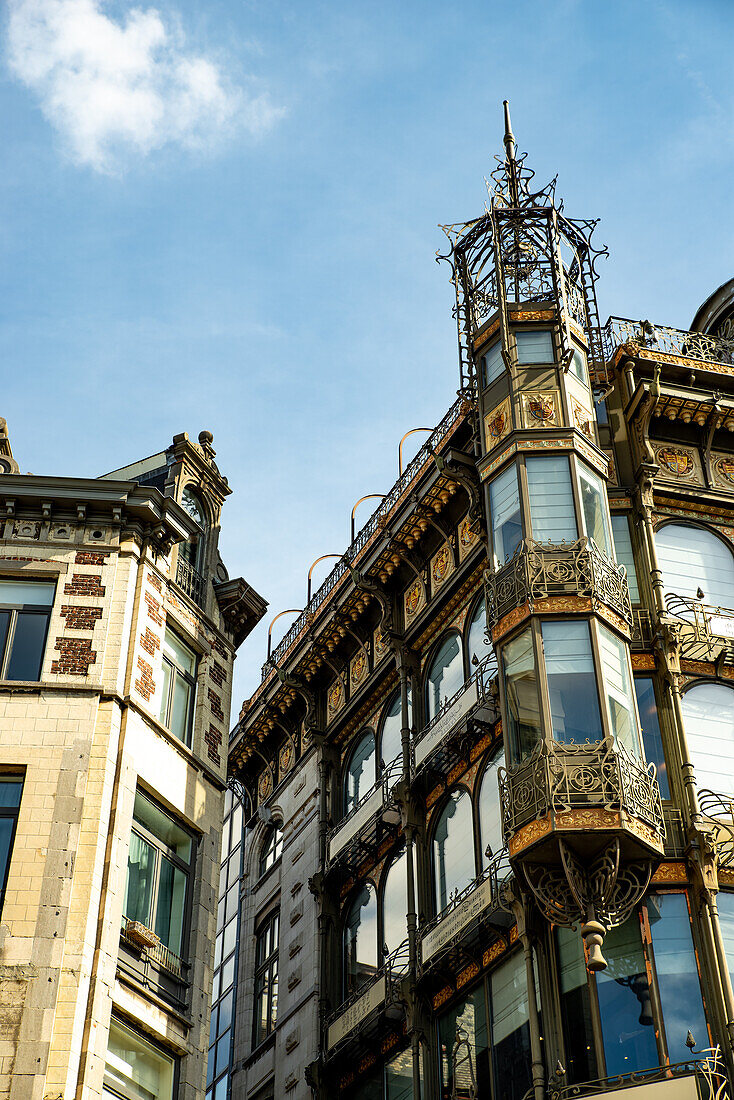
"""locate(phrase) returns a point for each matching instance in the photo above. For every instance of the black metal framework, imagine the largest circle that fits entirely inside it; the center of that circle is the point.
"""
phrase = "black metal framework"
(383, 1016)
(539, 570)
(704, 632)
(191, 581)
(24, 627)
(266, 977)
(439, 745)
(377, 814)
(663, 341)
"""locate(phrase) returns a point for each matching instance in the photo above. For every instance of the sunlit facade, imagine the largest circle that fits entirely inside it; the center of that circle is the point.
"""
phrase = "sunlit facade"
(487, 778)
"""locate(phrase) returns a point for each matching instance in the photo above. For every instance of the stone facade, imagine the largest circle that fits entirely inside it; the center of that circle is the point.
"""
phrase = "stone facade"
(85, 737)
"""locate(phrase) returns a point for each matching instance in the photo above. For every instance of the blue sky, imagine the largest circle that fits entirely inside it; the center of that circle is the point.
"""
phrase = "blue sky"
(225, 216)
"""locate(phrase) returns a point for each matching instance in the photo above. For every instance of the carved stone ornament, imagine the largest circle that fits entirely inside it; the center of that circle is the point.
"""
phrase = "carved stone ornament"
(582, 418)
(467, 538)
(415, 599)
(335, 697)
(285, 758)
(723, 467)
(381, 645)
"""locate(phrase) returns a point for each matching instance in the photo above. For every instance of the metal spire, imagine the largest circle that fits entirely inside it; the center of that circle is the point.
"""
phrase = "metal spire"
(510, 162)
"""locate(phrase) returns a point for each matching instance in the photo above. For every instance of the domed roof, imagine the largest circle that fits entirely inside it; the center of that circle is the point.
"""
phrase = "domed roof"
(712, 315)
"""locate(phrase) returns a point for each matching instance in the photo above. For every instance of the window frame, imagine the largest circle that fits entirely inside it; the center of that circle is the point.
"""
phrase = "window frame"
(190, 679)
(197, 541)
(347, 990)
(28, 609)
(146, 1041)
(381, 764)
(696, 526)
(12, 812)
(266, 967)
(351, 753)
(463, 791)
(473, 607)
(432, 657)
(534, 362)
(163, 850)
(273, 840)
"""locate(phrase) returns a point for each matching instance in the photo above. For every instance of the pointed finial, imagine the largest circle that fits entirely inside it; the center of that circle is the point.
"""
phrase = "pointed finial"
(511, 163)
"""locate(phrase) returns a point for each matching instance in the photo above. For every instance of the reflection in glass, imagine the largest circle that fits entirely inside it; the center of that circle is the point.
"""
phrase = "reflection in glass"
(677, 973)
(504, 504)
(170, 908)
(477, 641)
(453, 848)
(708, 717)
(445, 676)
(651, 736)
(391, 742)
(521, 695)
(360, 776)
(510, 1030)
(552, 513)
(464, 1048)
(534, 346)
(578, 1035)
(725, 905)
(623, 553)
(29, 639)
(618, 685)
(399, 1076)
(360, 939)
(569, 667)
(140, 871)
(395, 904)
(692, 559)
(596, 510)
(490, 817)
(624, 1002)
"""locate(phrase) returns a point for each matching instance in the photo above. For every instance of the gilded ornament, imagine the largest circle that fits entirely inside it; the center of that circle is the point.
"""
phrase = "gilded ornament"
(442, 565)
(413, 599)
(675, 461)
(264, 785)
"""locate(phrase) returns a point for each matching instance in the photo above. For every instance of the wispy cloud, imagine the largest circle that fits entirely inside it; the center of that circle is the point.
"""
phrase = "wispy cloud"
(116, 88)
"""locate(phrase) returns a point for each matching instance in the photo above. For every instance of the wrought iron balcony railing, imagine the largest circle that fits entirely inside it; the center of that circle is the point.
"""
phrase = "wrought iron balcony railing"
(718, 812)
(663, 341)
(542, 569)
(705, 631)
(474, 699)
(377, 997)
(643, 633)
(566, 777)
(704, 1077)
(191, 581)
(357, 832)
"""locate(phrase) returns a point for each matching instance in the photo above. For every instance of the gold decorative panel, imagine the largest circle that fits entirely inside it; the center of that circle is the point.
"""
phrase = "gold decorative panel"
(467, 538)
(380, 646)
(358, 669)
(442, 566)
(540, 409)
(678, 463)
(723, 470)
(335, 698)
(497, 424)
(415, 600)
(582, 418)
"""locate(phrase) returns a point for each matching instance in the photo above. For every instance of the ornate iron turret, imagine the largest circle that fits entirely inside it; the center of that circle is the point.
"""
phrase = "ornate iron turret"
(581, 808)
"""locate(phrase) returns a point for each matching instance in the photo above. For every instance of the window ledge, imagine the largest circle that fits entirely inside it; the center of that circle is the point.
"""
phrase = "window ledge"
(261, 1048)
(51, 685)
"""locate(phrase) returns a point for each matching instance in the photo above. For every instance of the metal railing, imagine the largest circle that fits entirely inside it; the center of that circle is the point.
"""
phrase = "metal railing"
(191, 581)
(156, 952)
(471, 697)
(718, 812)
(666, 341)
(393, 970)
(391, 773)
(707, 1066)
(372, 526)
(705, 629)
(541, 569)
(561, 777)
(643, 632)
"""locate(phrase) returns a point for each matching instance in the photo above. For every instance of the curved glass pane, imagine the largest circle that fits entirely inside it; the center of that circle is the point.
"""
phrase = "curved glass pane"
(694, 560)
(490, 817)
(708, 716)
(504, 504)
(445, 676)
(391, 745)
(677, 973)
(453, 848)
(395, 904)
(569, 667)
(552, 511)
(595, 508)
(360, 776)
(360, 939)
(476, 642)
(521, 694)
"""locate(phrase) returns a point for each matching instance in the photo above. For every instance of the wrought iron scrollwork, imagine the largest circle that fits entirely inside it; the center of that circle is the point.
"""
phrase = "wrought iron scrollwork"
(718, 811)
(667, 341)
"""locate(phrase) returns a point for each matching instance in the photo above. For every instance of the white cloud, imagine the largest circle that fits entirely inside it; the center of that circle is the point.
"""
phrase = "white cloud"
(115, 88)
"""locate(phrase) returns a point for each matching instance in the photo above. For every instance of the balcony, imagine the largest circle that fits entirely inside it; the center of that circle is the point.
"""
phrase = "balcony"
(440, 744)
(152, 964)
(191, 581)
(577, 787)
(702, 1078)
(662, 343)
(460, 930)
(373, 1009)
(359, 834)
(706, 632)
(539, 571)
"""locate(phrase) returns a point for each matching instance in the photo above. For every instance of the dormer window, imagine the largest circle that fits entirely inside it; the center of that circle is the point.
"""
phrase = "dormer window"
(191, 551)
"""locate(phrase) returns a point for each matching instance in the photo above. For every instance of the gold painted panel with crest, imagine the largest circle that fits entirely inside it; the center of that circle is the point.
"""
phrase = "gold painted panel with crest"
(497, 424)
(678, 463)
(442, 566)
(540, 409)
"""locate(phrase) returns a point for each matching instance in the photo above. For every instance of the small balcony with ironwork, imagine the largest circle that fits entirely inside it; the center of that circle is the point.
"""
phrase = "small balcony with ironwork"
(190, 581)
(704, 632)
(472, 920)
(149, 963)
(472, 711)
(643, 339)
(548, 577)
(374, 1009)
(361, 832)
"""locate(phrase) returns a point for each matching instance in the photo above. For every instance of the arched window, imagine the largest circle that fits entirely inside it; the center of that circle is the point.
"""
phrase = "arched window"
(708, 715)
(360, 775)
(360, 938)
(391, 743)
(191, 551)
(395, 904)
(445, 675)
(490, 815)
(272, 848)
(453, 848)
(477, 646)
(693, 559)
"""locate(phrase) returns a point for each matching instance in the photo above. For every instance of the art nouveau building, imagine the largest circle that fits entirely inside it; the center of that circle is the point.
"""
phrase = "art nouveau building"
(118, 628)
(487, 777)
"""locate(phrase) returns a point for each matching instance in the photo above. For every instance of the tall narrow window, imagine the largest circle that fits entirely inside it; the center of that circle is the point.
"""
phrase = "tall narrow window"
(651, 736)
(25, 610)
(578, 1031)
(708, 716)
(625, 1002)
(552, 514)
(695, 560)
(360, 775)
(135, 1069)
(578, 367)
(453, 850)
(534, 346)
(11, 788)
(395, 904)
(272, 848)
(677, 973)
(521, 694)
(569, 667)
(464, 1048)
(595, 510)
(191, 551)
(493, 363)
(618, 688)
(477, 643)
(158, 872)
(504, 503)
(490, 816)
(623, 553)
(360, 939)
(391, 734)
(179, 687)
(510, 1029)
(445, 676)
(266, 977)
